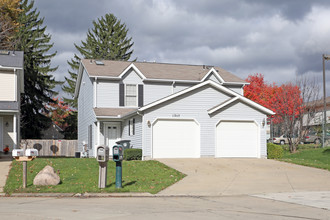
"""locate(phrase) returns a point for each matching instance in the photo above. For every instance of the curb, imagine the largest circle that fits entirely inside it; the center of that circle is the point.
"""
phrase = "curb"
(78, 195)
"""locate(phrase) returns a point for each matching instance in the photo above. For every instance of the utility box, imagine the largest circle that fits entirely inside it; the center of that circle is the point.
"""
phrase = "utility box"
(18, 153)
(102, 154)
(125, 143)
(117, 152)
(31, 152)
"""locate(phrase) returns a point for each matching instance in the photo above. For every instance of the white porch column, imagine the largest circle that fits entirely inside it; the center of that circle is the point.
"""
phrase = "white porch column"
(15, 131)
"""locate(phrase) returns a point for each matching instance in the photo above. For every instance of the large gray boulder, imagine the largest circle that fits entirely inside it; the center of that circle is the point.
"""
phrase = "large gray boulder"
(46, 176)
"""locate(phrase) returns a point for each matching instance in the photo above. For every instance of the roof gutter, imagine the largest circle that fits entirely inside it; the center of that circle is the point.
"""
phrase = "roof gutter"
(236, 83)
(171, 80)
(10, 68)
(106, 77)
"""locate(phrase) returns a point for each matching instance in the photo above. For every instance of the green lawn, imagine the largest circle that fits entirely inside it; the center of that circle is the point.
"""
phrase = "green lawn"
(312, 157)
(81, 175)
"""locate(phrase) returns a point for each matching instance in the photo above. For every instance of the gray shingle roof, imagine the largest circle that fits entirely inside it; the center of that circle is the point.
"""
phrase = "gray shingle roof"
(11, 58)
(157, 70)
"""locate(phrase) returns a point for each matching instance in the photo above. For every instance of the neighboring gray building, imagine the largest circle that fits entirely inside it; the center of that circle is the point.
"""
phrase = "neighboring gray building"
(11, 87)
(168, 110)
(53, 132)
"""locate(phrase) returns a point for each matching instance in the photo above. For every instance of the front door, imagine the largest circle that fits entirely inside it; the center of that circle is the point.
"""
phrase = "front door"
(112, 134)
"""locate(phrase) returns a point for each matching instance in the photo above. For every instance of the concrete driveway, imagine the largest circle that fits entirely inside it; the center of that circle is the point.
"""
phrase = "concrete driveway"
(218, 176)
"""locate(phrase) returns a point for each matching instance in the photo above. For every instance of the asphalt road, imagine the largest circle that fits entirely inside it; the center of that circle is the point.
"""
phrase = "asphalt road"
(224, 207)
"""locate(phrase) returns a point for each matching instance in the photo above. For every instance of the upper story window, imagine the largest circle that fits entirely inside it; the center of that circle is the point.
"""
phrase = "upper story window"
(130, 95)
(8, 86)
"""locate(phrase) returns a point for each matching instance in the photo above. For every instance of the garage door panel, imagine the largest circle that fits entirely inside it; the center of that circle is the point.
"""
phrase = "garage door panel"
(237, 139)
(175, 139)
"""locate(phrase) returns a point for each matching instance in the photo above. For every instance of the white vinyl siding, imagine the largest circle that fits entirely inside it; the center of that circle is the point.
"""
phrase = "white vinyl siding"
(107, 94)
(237, 89)
(154, 91)
(181, 86)
(7, 86)
(131, 77)
(194, 105)
(136, 139)
(86, 115)
(131, 95)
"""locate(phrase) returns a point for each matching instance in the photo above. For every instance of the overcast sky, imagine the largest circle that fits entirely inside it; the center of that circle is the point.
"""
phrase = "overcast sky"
(280, 39)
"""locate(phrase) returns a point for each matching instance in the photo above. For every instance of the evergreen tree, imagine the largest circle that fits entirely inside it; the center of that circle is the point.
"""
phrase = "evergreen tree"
(71, 81)
(106, 40)
(38, 82)
(71, 132)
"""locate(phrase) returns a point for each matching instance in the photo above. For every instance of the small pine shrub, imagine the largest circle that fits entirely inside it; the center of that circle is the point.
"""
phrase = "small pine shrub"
(274, 151)
(133, 154)
(326, 151)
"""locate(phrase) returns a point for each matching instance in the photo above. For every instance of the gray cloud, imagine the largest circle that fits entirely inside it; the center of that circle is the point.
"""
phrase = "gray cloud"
(280, 38)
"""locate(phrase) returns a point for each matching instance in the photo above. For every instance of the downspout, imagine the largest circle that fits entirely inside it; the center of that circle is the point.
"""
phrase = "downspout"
(95, 92)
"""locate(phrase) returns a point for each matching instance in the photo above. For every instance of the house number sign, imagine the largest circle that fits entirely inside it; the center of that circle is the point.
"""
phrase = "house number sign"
(175, 115)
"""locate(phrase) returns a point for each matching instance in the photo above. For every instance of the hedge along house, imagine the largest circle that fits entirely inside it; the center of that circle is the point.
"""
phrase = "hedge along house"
(168, 110)
(11, 87)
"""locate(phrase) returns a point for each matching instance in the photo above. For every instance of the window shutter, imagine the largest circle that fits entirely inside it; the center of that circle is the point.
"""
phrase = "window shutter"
(121, 94)
(133, 126)
(140, 103)
(90, 138)
(129, 127)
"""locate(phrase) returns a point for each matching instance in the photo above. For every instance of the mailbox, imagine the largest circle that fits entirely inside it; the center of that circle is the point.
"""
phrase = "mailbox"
(18, 153)
(102, 153)
(117, 152)
(31, 152)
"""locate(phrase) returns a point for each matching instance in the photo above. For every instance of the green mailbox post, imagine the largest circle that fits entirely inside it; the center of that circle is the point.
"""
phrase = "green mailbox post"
(117, 152)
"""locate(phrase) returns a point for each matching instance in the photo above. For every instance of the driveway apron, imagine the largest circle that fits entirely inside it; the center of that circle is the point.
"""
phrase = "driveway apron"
(219, 176)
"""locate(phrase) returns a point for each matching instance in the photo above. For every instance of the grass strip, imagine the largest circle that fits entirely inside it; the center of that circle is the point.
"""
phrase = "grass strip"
(80, 175)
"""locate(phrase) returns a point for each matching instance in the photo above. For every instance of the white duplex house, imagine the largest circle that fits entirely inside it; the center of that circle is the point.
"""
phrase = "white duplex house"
(11, 87)
(168, 110)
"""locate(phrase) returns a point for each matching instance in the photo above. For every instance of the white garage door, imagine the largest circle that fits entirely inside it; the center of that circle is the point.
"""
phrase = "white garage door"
(237, 139)
(175, 139)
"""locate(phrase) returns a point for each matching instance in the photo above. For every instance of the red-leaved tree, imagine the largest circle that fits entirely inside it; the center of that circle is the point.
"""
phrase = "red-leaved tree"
(58, 112)
(287, 101)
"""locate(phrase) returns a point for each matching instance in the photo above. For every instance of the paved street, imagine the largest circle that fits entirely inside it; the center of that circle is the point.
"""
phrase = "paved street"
(227, 207)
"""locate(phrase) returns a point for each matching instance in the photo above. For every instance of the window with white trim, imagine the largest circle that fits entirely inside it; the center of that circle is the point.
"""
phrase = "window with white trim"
(130, 95)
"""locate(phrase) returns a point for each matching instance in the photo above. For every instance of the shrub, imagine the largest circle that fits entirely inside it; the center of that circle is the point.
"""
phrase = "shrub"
(274, 151)
(326, 151)
(133, 154)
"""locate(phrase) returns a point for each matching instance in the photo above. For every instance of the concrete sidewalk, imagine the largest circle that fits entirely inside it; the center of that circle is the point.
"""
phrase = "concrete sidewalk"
(318, 199)
(219, 176)
(4, 170)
